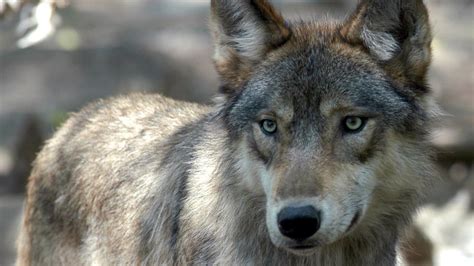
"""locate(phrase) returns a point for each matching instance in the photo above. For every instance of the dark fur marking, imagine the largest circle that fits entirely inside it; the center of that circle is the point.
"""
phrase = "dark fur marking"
(182, 142)
(374, 145)
(416, 113)
(177, 207)
(268, 21)
(226, 89)
(235, 119)
(257, 152)
(205, 254)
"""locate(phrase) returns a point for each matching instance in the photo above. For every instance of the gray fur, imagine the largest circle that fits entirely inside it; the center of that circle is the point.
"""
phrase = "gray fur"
(141, 179)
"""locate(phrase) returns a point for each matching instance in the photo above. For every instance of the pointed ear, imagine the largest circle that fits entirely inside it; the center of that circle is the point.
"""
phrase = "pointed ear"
(396, 33)
(244, 32)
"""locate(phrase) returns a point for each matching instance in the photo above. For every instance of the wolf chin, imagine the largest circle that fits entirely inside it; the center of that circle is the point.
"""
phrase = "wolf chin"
(315, 152)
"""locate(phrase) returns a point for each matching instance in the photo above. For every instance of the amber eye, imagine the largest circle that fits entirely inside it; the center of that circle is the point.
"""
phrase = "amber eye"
(354, 124)
(268, 126)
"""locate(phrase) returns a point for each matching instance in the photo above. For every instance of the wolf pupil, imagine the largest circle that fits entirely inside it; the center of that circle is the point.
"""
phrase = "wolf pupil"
(269, 126)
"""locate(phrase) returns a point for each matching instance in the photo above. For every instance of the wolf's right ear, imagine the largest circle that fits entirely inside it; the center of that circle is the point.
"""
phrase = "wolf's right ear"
(244, 32)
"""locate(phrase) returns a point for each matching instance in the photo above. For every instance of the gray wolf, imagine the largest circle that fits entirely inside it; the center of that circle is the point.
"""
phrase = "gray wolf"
(315, 152)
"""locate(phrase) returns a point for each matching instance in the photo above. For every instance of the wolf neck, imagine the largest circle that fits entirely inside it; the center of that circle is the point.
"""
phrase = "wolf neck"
(224, 223)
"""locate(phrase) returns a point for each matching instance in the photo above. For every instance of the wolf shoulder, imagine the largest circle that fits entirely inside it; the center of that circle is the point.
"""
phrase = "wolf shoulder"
(136, 112)
(111, 134)
(130, 118)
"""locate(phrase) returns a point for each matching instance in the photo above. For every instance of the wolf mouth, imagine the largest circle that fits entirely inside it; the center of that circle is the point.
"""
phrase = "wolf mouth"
(302, 247)
(354, 221)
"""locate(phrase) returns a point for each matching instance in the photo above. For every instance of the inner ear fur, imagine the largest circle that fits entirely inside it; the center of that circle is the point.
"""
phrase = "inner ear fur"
(244, 32)
(397, 34)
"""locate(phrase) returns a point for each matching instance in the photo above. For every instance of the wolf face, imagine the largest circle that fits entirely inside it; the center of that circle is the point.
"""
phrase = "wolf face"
(328, 118)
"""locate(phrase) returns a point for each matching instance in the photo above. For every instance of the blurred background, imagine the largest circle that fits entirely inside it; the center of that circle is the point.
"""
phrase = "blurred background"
(57, 55)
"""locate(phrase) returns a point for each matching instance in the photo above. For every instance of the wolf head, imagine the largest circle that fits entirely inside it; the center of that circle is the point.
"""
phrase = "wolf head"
(330, 119)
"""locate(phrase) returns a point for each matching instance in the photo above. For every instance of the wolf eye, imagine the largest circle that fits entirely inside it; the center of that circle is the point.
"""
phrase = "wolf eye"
(268, 126)
(354, 124)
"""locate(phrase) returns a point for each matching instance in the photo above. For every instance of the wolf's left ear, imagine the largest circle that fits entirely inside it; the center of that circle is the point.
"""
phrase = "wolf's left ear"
(396, 33)
(244, 32)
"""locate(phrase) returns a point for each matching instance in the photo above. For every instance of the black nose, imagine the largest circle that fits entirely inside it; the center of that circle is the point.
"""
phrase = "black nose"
(299, 223)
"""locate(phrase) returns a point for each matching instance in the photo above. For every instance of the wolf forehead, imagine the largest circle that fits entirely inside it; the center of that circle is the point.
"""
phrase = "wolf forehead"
(316, 68)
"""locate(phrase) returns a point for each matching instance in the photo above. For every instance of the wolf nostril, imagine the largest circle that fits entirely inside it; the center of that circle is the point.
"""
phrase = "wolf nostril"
(299, 223)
